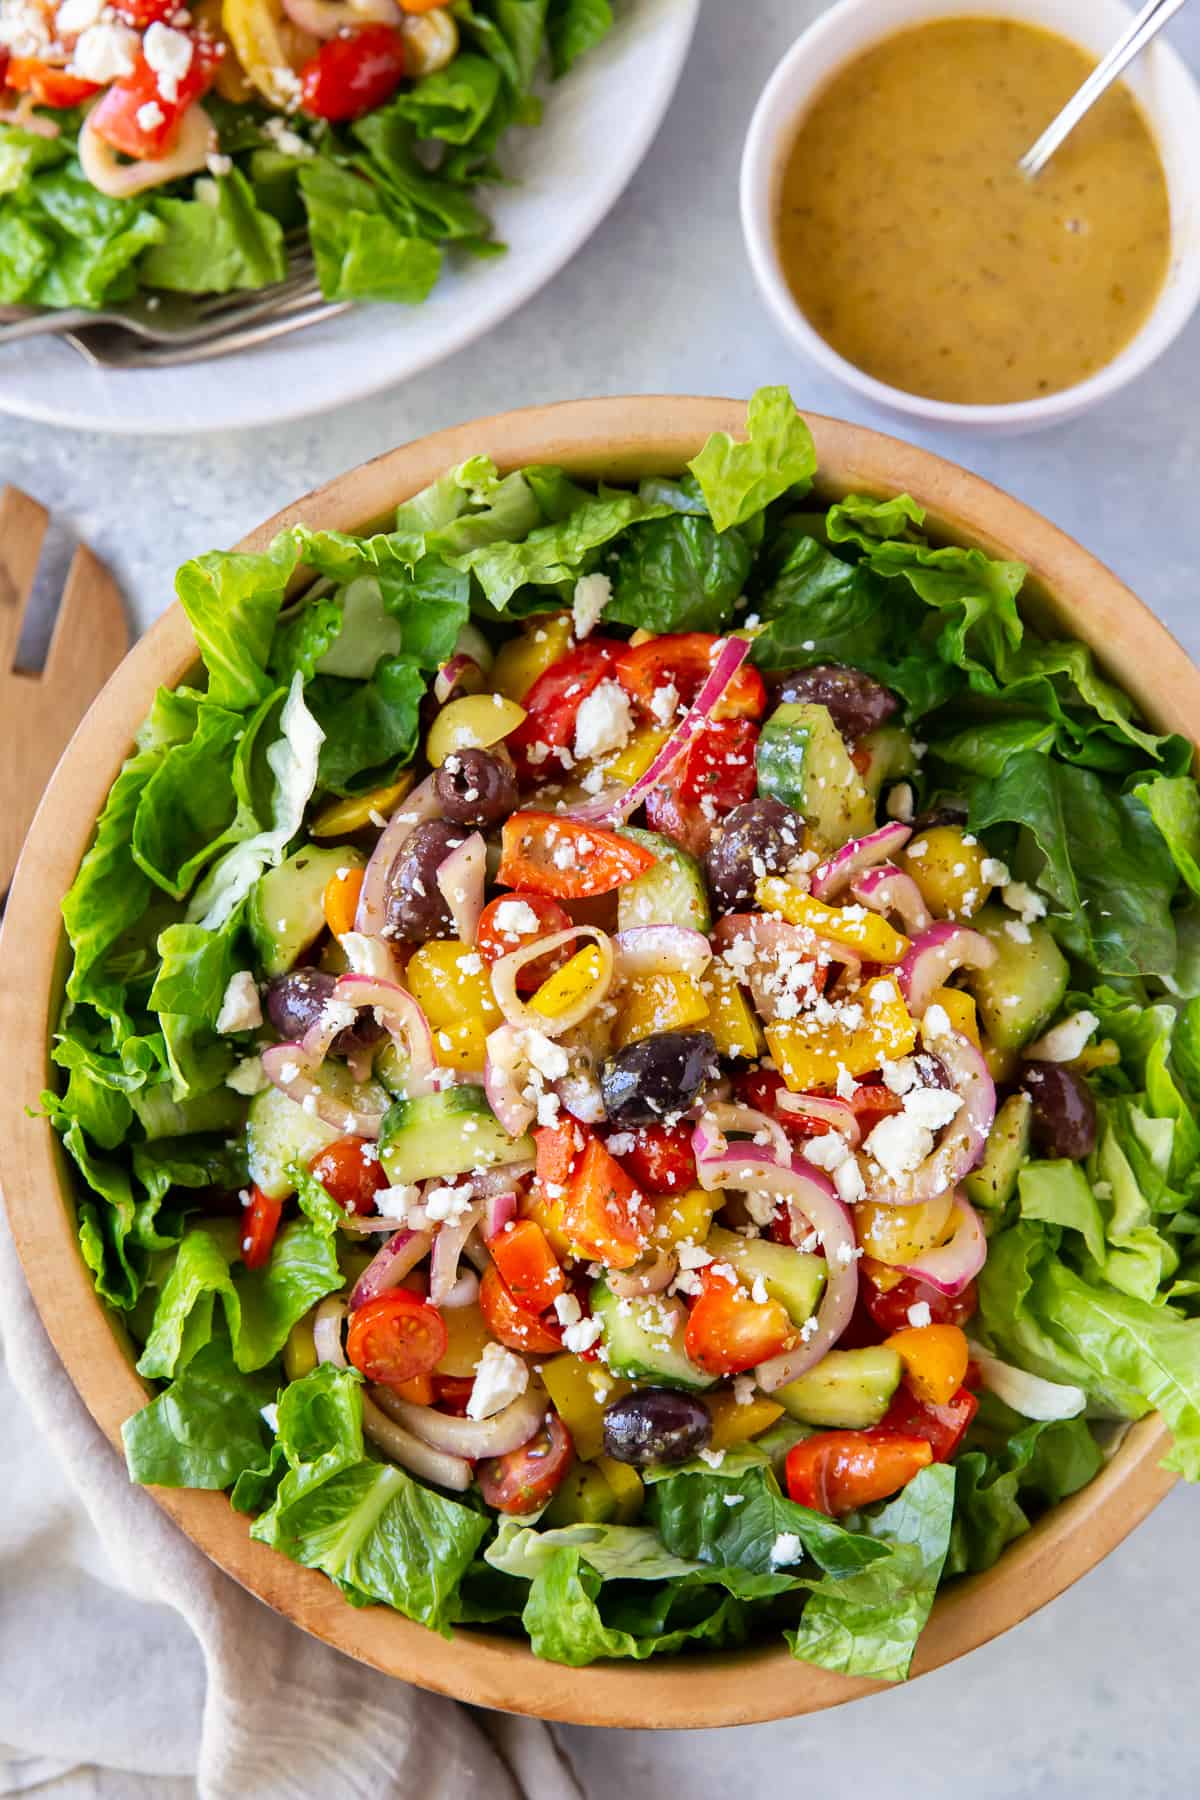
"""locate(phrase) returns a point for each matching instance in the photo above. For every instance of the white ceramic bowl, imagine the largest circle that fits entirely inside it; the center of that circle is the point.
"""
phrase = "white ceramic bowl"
(1167, 93)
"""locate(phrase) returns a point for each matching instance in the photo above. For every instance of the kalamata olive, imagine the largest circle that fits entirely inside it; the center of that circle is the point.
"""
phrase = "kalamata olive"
(656, 1425)
(760, 837)
(1064, 1114)
(296, 1001)
(657, 1076)
(475, 788)
(857, 703)
(415, 908)
(939, 815)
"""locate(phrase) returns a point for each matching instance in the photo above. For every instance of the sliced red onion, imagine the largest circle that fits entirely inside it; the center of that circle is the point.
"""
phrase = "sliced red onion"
(498, 1212)
(887, 889)
(950, 1266)
(404, 1022)
(23, 116)
(934, 957)
(839, 1114)
(461, 876)
(517, 1012)
(1031, 1395)
(387, 1269)
(325, 18)
(364, 1224)
(769, 936)
(448, 1247)
(829, 879)
(709, 1138)
(963, 1140)
(506, 1076)
(659, 949)
(615, 808)
(477, 1254)
(327, 1332)
(459, 669)
(650, 1276)
(411, 1452)
(289, 1068)
(502, 1180)
(465, 1291)
(412, 811)
(496, 1436)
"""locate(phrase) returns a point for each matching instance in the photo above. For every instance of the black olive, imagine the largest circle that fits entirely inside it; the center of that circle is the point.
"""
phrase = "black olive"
(1063, 1120)
(415, 908)
(856, 702)
(474, 788)
(657, 1076)
(760, 837)
(656, 1425)
(296, 1001)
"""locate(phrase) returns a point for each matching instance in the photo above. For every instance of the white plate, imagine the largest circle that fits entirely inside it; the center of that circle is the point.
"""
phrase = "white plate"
(598, 125)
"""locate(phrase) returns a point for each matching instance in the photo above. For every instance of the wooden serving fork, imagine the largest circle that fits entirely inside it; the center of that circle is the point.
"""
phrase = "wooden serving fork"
(38, 712)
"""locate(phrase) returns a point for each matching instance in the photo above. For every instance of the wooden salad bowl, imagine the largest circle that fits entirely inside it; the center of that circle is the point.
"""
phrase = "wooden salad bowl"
(618, 439)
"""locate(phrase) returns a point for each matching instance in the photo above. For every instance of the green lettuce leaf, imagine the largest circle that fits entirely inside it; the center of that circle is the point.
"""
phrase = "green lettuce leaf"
(366, 724)
(616, 1552)
(678, 574)
(1174, 805)
(232, 600)
(740, 479)
(565, 1624)
(203, 1430)
(1009, 1472)
(453, 103)
(553, 555)
(188, 803)
(218, 241)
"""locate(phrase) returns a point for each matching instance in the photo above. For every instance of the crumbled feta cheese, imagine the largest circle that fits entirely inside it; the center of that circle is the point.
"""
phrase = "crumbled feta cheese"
(931, 1107)
(786, 1548)
(150, 116)
(1024, 900)
(399, 1203)
(1017, 930)
(621, 1143)
(828, 1151)
(664, 703)
(935, 1023)
(248, 1076)
(269, 1414)
(218, 164)
(500, 1378)
(516, 918)
(548, 1058)
(1064, 1041)
(758, 1291)
(105, 52)
(582, 1335)
(994, 871)
(714, 1458)
(743, 1389)
(169, 54)
(604, 721)
(449, 1205)
(919, 1314)
(900, 803)
(24, 30)
(567, 1309)
(592, 595)
(73, 16)
(899, 1076)
(899, 1144)
(241, 1008)
(287, 141)
(693, 1256)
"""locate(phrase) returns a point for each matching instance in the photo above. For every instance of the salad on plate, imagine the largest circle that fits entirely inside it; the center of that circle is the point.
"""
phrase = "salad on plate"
(148, 147)
(632, 1055)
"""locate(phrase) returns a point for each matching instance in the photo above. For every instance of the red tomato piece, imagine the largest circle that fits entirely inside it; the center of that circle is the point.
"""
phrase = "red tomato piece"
(396, 1337)
(605, 1217)
(452, 1392)
(512, 1324)
(259, 1231)
(547, 854)
(351, 75)
(662, 1160)
(684, 660)
(552, 706)
(873, 1101)
(49, 85)
(145, 12)
(715, 774)
(942, 1427)
(838, 1471)
(350, 1170)
(528, 1266)
(115, 117)
(890, 1310)
(727, 1331)
(526, 1478)
(492, 942)
(761, 1088)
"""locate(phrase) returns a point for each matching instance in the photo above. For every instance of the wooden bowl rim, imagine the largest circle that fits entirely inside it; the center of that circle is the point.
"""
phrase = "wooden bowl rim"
(617, 437)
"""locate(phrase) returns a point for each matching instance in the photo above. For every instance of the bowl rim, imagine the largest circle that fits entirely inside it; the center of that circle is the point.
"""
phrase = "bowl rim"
(856, 23)
(618, 438)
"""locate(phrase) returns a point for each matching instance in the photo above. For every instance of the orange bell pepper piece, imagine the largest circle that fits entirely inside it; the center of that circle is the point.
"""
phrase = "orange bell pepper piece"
(339, 902)
(605, 1216)
(935, 1360)
(529, 1266)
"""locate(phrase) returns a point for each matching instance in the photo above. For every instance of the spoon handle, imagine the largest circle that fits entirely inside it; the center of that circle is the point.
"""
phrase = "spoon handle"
(1153, 16)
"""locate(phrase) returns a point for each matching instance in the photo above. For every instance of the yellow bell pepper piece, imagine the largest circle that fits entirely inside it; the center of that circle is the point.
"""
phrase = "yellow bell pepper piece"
(548, 1214)
(475, 722)
(881, 1274)
(810, 1054)
(664, 1001)
(948, 871)
(566, 1379)
(685, 1218)
(467, 1336)
(522, 660)
(633, 761)
(443, 979)
(341, 817)
(569, 985)
(959, 1008)
(1104, 1055)
(257, 31)
(300, 1350)
(462, 1046)
(626, 1485)
(854, 926)
(731, 1018)
(734, 1424)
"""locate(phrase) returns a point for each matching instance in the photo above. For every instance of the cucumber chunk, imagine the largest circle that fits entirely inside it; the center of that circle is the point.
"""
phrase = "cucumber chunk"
(802, 760)
(850, 1388)
(891, 752)
(284, 911)
(1023, 989)
(993, 1184)
(671, 893)
(446, 1133)
(790, 1276)
(644, 1339)
(280, 1133)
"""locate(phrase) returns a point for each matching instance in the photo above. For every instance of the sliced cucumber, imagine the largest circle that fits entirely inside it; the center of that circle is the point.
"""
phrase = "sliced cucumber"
(671, 893)
(584, 1498)
(644, 1339)
(445, 1133)
(162, 1117)
(284, 911)
(1022, 990)
(802, 760)
(790, 1276)
(280, 1133)
(994, 1182)
(852, 1388)
(891, 752)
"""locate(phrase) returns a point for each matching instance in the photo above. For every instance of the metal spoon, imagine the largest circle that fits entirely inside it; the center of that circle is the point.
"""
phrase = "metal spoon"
(1148, 23)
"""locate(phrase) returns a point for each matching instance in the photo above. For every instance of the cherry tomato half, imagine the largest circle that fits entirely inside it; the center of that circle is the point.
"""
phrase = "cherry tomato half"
(544, 853)
(120, 117)
(509, 1322)
(662, 1160)
(552, 706)
(727, 1331)
(350, 1170)
(261, 1225)
(351, 75)
(890, 1309)
(715, 774)
(684, 660)
(526, 1478)
(942, 1427)
(494, 941)
(395, 1337)
(48, 84)
(838, 1471)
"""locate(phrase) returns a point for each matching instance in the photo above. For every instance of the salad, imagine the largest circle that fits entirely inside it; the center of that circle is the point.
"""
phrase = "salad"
(148, 147)
(632, 1056)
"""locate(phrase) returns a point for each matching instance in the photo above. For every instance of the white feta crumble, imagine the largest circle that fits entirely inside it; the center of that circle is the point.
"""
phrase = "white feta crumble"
(548, 1058)
(500, 1378)
(714, 1458)
(1017, 930)
(1064, 1041)
(516, 918)
(758, 1291)
(919, 1314)
(567, 1309)
(900, 1076)
(367, 956)
(733, 1499)
(1024, 900)
(786, 1548)
(743, 1389)
(935, 1023)
(241, 1008)
(150, 116)
(931, 1107)
(23, 28)
(604, 721)
(848, 1180)
(592, 595)
(269, 1414)
(664, 703)
(73, 16)
(900, 803)
(899, 1144)
(621, 1143)
(104, 52)
(827, 1152)
(693, 1256)
(169, 54)
(449, 1205)
(582, 1335)
(248, 1076)
(994, 871)
(218, 164)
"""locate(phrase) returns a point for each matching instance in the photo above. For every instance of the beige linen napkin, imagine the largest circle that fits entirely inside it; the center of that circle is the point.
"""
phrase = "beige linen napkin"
(131, 1667)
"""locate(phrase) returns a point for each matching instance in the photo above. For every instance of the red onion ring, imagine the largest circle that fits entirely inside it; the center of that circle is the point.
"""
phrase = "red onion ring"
(650, 1276)
(327, 1332)
(506, 1074)
(473, 1438)
(887, 889)
(658, 949)
(410, 1452)
(517, 1012)
(289, 1068)
(963, 1140)
(934, 957)
(447, 1249)
(615, 808)
(709, 1137)
(838, 1114)
(387, 1269)
(499, 1210)
(460, 877)
(465, 1291)
(950, 1266)
(402, 1019)
(829, 879)
(460, 669)
(413, 810)
(325, 18)
(769, 936)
